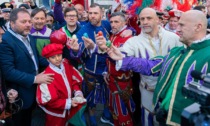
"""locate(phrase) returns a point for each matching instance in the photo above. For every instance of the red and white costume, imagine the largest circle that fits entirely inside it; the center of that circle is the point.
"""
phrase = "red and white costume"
(119, 109)
(55, 98)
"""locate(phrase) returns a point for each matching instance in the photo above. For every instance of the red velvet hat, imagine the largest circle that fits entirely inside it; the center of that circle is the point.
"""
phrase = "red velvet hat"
(58, 37)
(52, 49)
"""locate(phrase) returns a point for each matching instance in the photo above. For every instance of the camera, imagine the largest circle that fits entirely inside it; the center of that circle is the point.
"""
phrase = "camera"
(197, 114)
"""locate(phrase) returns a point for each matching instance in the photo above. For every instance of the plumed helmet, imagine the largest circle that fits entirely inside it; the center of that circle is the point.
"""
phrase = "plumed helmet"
(58, 37)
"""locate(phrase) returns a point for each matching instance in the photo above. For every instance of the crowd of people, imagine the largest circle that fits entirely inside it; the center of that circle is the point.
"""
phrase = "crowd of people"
(65, 61)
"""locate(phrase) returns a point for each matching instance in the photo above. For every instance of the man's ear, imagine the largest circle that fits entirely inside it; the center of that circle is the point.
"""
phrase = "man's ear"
(198, 27)
(12, 24)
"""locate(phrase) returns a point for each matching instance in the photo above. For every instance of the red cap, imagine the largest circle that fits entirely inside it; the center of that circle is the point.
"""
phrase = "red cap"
(52, 49)
(58, 37)
(175, 13)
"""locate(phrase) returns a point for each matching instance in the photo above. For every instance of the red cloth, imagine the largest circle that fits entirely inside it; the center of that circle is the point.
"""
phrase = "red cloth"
(51, 50)
(132, 22)
(118, 41)
(59, 37)
(53, 98)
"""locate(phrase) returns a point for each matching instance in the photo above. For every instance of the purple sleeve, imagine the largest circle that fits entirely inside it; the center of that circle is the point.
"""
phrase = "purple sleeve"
(75, 55)
(58, 15)
(142, 66)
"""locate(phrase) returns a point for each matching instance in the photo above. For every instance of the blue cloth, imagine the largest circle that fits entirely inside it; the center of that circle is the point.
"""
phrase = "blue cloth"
(94, 63)
(18, 68)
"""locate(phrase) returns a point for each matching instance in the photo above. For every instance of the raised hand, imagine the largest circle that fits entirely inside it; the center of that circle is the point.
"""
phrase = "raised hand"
(114, 53)
(72, 44)
(101, 42)
(89, 44)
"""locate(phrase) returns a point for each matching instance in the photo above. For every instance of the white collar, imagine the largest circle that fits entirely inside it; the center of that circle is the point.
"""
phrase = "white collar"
(201, 40)
(57, 69)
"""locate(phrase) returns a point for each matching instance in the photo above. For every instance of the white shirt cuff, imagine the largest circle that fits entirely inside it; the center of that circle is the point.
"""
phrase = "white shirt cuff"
(118, 65)
(93, 50)
(68, 104)
(34, 79)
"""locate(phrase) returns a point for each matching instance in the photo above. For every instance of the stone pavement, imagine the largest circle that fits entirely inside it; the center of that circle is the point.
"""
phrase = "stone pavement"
(39, 117)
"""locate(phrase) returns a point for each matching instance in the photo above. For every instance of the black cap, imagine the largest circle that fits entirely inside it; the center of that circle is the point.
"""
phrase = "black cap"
(26, 6)
(6, 5)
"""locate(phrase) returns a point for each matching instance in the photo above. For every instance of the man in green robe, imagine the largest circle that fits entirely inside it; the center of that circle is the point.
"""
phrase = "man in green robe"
(174, 70)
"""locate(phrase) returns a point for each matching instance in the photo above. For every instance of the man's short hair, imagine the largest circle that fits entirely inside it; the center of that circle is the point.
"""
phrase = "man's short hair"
(118, 14)
(14, 14)
(69, 9)
(96, 5)
(37, 10)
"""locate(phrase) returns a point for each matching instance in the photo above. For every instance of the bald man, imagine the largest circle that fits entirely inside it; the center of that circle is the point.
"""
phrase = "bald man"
(174, 70)
(82, 14)
(153, 41)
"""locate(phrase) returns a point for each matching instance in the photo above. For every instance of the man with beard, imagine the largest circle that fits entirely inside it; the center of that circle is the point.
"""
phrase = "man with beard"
(39, 30)
(153, 41)
(19, 63)
(174, 69)
(95, 89)
(121, 103)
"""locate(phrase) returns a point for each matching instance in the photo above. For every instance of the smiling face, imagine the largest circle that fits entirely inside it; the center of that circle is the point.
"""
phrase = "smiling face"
(39, 20)
(173, 23)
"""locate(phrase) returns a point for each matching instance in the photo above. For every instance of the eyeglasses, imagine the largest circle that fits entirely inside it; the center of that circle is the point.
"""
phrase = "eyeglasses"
(72, 16)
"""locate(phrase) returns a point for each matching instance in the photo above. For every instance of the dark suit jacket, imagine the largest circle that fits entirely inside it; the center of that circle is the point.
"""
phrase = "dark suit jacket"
(18, 68)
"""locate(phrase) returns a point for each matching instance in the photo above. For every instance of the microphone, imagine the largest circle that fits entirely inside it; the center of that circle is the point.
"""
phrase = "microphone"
(200, 76)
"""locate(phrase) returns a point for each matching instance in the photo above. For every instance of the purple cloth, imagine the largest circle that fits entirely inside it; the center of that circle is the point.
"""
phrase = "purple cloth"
(140, 65)
(42, 31)
(58, 13)
(76, 55)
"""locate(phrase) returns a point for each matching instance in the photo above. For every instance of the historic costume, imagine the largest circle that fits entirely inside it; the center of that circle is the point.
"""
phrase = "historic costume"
(121, 103)
(94, 87)
(146, 47)
(42, 37)
(174, 72)
(55, 98)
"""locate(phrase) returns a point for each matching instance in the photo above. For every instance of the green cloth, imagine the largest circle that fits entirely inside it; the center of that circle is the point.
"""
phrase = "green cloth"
(41, 43)
(175, 73)
(76, 119)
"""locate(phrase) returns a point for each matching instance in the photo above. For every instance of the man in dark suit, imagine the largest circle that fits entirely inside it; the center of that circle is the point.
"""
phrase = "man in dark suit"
(19, 61)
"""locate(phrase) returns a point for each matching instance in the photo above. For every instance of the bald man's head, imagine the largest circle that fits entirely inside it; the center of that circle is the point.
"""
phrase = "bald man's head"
(149, 21)
(80, 9)
(148, 10)
(192, 26)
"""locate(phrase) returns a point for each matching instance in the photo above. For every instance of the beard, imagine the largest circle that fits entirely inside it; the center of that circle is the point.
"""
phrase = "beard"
(94, 22)
(147, 30)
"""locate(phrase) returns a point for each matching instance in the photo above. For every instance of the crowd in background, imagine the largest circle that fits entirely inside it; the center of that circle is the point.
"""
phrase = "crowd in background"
(63, 62)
